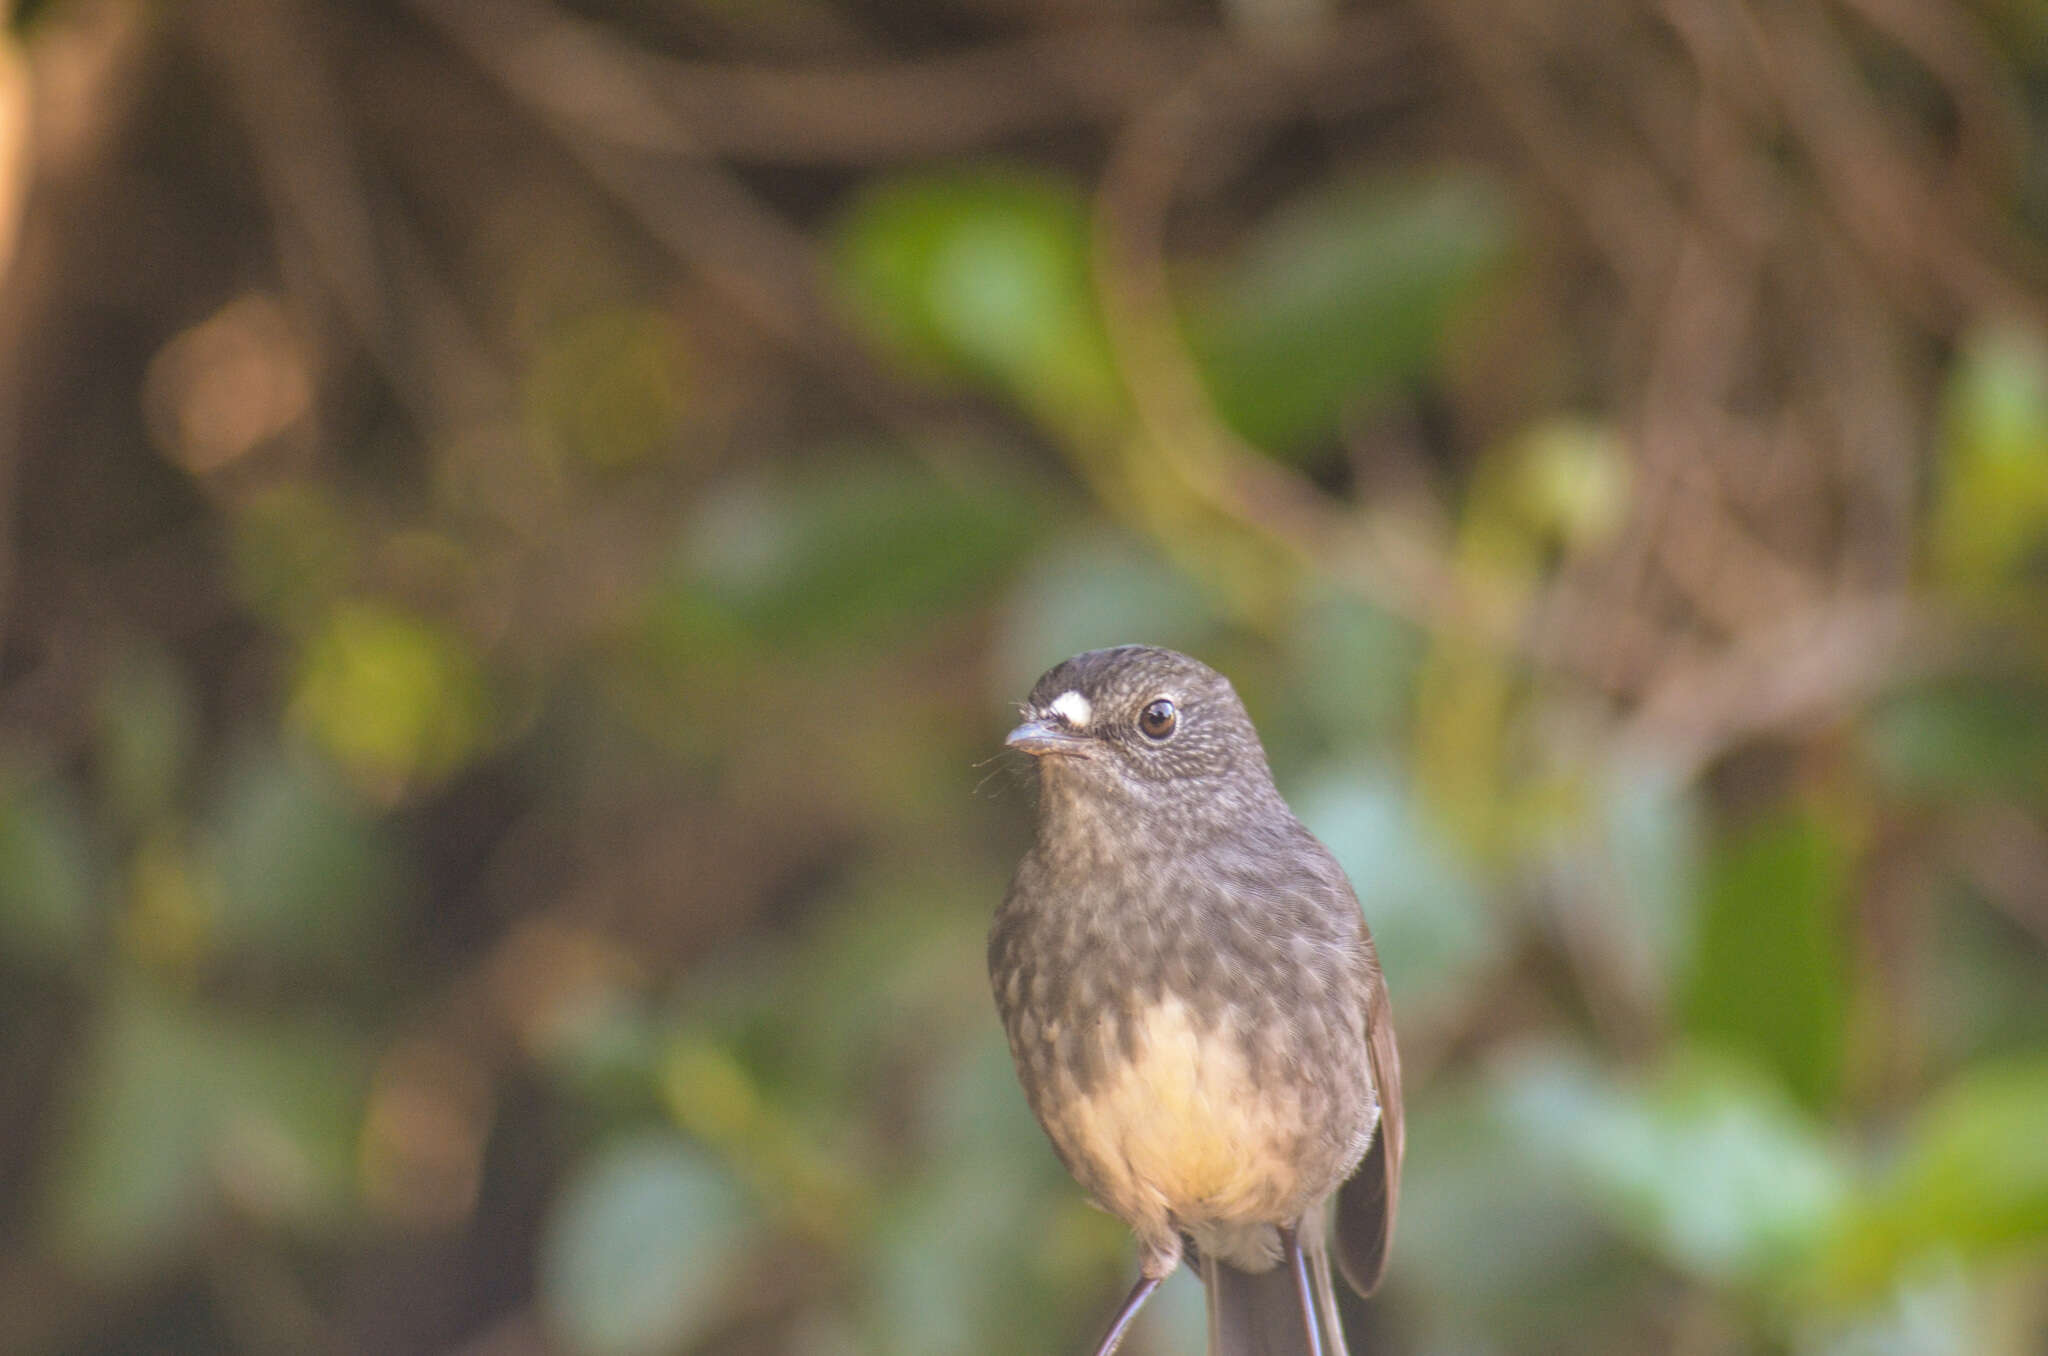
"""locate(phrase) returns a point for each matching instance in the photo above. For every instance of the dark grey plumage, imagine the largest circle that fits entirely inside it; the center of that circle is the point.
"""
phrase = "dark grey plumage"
(1192, 999)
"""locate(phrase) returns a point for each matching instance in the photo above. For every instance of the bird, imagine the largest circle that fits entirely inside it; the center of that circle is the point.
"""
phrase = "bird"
(1194, 1004)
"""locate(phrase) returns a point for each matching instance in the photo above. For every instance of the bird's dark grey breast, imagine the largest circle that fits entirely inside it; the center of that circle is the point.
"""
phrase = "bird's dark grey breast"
(1255, 931)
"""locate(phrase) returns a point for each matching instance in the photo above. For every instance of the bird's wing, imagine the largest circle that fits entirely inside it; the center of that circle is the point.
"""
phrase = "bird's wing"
(1365, 1203)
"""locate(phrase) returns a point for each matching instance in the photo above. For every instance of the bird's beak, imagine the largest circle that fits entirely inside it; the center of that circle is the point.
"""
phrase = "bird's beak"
(1043, 735)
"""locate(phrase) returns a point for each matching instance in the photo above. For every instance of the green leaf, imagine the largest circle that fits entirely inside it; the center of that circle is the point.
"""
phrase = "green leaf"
(49, 907)
(1492, 1233)
(1941, 1313)
(1769, 972)
(180, 1108)
(1971, 1180)
(640, 1255)
(1357, 666)
(394, 698)
(1985, 992)
(1093, 588)
(1990, 517)
(603, 1051)
(608, 388)
(293, 557)
(1426, 912)
(849, 552)
(683, 653)
(1571, 481)
(947, 1273)
(1977, 1167)
(1707, 1163)
(145, 730)
(985, 275)
(1344, 298)
(1967, 738)
(303, 874)
(887, 961)
(1650, 829)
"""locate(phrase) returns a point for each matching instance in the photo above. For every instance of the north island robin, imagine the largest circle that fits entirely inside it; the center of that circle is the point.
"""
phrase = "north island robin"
(1194, 1004)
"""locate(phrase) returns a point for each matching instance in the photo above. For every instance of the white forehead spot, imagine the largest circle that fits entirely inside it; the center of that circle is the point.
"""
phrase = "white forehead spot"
(1074, 707)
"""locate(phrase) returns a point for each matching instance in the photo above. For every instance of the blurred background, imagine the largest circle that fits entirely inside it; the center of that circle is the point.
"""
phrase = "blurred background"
(521, 527)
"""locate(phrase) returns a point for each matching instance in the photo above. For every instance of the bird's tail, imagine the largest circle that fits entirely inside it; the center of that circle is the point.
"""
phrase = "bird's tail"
(1259, 1313)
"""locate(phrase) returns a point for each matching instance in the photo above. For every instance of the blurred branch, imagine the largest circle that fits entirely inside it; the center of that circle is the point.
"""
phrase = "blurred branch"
(16, 174)
(2004, 851)
(1874, 170)
(59, 111)
(1400, 572)
(16, 158)
(1991, 133)
(1740, 264)
(1805, 668)
(265, 1305)
(1858, 388)
(297, 122)
(1617, 194)
(700, 213)
(518, 1333)
(946, 104)
(1698, 321)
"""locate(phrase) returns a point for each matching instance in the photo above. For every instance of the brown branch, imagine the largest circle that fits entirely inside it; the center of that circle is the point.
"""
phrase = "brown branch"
(1806, 668)
(1879, 184)
(2004, 851)
(765, 268)
(1397, 572)
(297, 123)
(1991, 131)
(1618, 196)
(932, 106)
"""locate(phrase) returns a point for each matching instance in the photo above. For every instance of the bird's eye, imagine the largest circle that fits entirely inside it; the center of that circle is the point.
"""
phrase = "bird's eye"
(1159, 720)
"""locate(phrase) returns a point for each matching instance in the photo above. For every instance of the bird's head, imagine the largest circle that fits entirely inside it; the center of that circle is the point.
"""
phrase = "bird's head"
(1137, 723)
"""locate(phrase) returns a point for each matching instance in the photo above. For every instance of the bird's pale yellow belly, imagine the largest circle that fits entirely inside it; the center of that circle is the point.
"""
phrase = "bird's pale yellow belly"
(1180, 1132)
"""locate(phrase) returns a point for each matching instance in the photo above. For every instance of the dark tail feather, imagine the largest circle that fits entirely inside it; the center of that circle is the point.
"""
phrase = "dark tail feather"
(1259, 1314)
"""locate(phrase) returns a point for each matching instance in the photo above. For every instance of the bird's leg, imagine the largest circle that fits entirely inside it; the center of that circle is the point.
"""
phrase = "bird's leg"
(1290, 1252)
(1326, 1297)
(1133, 1302)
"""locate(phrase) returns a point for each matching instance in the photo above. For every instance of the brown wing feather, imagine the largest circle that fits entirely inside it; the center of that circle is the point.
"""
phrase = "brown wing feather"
(1365, 1203)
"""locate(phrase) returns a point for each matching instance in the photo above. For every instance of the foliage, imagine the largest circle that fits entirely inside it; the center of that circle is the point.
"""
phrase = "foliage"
(526, 527)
